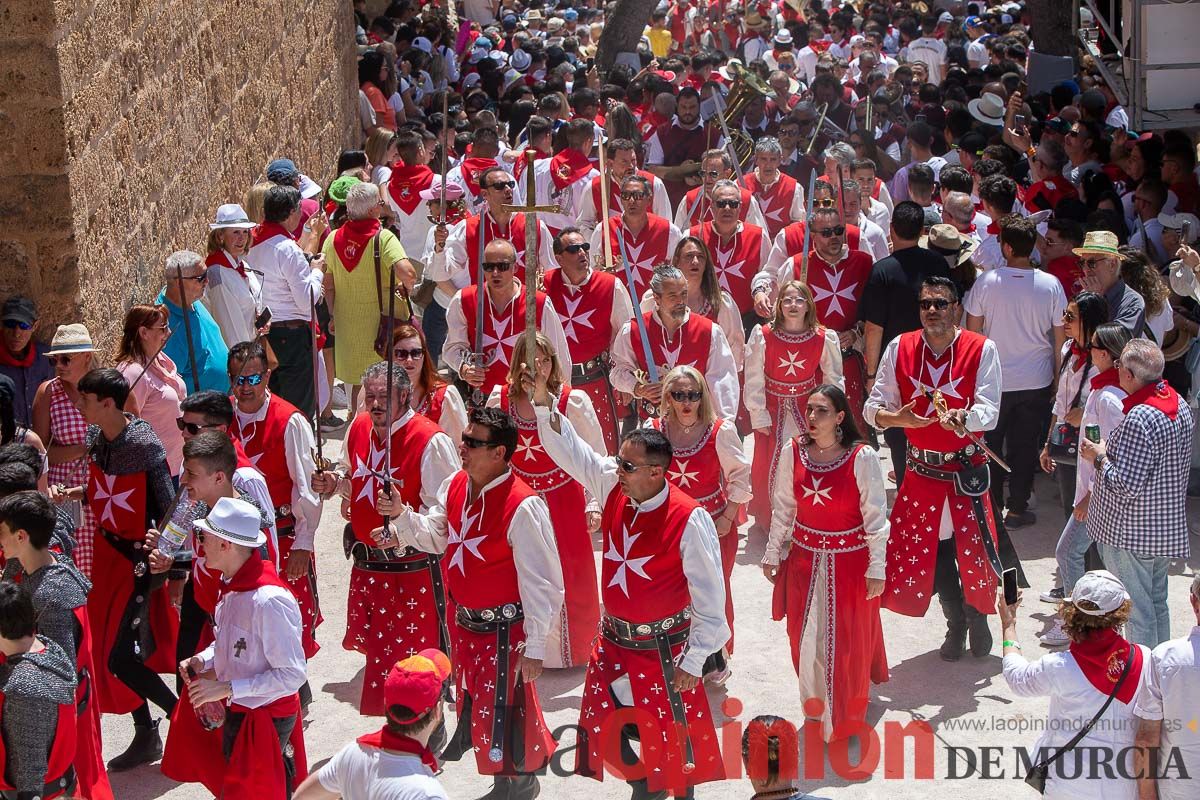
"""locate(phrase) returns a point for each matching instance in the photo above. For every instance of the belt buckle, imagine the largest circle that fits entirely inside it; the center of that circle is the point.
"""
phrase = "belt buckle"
(509, 611)
(668, 623)
(487, 615)
(284, 510)
(970, 450)
(642, 630)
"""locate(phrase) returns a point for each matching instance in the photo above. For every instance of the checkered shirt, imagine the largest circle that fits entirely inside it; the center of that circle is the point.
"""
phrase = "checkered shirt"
(1139, 493)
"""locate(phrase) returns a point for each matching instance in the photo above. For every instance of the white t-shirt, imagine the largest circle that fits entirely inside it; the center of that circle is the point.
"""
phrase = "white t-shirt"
(1021, 308)
(930, 52)
(367, 773)
(977, 54)
(479, 11)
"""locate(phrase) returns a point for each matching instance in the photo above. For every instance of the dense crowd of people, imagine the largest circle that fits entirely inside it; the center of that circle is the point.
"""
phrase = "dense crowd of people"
(661, 306)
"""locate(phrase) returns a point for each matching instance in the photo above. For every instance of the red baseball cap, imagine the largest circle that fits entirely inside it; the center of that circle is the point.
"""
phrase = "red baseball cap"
(416, 682)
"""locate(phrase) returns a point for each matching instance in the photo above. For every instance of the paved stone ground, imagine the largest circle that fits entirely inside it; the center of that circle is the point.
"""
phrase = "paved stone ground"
(967, 704)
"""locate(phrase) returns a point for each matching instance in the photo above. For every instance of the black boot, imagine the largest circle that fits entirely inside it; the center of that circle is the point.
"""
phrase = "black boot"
(146, 748)
(522, 787)
(977, 628)
(956, 631)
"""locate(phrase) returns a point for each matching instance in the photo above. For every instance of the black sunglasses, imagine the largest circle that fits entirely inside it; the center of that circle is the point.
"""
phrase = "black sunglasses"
(497, 266)
(680, 396)
(404, 355)
(836, 230)
(727, 203)
(16, 323)
(940, 304)
(632, 195)
(575, 248)
(201, 278)
(501, 185)
(628, 467)
(192, 427)
(474, 444)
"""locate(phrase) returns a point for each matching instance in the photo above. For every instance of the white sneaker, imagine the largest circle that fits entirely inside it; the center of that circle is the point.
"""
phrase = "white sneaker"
(1056, 636)
(339, 396)
(1053, 596)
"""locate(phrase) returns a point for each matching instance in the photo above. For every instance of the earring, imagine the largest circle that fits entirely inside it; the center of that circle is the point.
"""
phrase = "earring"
(837, 432)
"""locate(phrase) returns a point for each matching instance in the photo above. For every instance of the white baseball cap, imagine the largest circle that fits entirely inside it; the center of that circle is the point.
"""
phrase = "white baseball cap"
(1100, 588)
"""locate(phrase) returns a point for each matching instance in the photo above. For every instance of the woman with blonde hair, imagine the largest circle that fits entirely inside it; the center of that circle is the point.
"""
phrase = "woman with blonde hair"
(255, 196)
(705, 296)
(785, 359)
(59, 423)
(381, 153)
(827, 559)
(1095, 679)
(573, 514)
(709, 465)
(234, 295)
(1140, 274)
(157, 384)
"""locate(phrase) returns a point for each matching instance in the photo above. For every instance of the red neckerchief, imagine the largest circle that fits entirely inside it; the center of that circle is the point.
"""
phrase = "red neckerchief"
(350, 240)
(1156, 395)
(7, 359)
(1079, 353)
(254, 574)
(268, 230)
(568, 166)
(819, 46)
(523, 161)
(407, 183)
(470, 169)
(1106, 378)
(219, 258)
(993, 228)
(1102, 657)
(386, 740)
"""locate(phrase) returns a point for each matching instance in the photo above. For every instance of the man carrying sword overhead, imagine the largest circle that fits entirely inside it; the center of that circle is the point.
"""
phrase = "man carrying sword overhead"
(942, 385)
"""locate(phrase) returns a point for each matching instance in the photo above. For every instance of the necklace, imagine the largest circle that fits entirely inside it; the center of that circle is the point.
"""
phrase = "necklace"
(687, 428)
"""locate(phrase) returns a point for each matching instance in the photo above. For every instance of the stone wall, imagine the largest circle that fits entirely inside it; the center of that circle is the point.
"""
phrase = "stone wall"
(124, 124)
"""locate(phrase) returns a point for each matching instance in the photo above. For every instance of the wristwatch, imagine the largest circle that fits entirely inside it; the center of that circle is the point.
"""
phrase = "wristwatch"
(1098, 461)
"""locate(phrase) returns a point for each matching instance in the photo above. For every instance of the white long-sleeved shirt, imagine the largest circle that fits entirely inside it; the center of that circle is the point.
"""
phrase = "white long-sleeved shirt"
(257, 646)
(233, 301)
(982, 416)
(698, 547)
(462, 266)
(875, 237)
(872, 503)
(721, 374)
(457, 346)
(660, 204)
(754, 393)
(438, 462)
(298, 444)
(437, 270)
(1073, 702)
(535, 554)
(683, 214)
(735, 465)
(289, 284)
(728, 319)
(1172, 692)
(570, 199)
(414, 228)
(1104, 407)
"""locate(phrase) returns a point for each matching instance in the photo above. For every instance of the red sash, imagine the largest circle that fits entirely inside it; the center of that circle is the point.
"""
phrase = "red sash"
(269, 230)
(471, 168)
(386, 740)
(567, 167)
(1156, 395)
(1101, 657)
(350, 241)
(255, 766)
(406, 184)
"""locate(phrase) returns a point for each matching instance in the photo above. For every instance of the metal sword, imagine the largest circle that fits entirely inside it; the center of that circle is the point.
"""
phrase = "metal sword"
(939, 408)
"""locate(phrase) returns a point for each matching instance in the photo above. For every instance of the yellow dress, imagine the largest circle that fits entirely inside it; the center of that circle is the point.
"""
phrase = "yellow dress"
(355, 306)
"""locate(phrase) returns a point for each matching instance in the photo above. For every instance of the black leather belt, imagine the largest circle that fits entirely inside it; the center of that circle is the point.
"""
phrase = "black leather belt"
(937, 458)
(590, 370)
(637, 635)
(64, 785)
(291, 323)
(487, 620)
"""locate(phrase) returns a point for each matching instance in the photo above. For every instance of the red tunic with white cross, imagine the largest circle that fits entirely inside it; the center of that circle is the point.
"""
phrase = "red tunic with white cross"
(513, 233)
(645, 251)
(689, 345)
(699, 212)
(501, 328)
(917, 513)
(774, 202)
(837, 288)
(793, 238)
(736, 258)
(615, 209)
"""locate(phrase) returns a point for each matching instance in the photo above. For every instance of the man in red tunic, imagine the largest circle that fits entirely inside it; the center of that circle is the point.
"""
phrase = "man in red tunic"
(505, 578)
(739, 248)
(648, 238)
(592, 307)
(262, 422)
(944, 531)
(622, 162)
(673, 151)
(503, 321)
(779, 196)
(837, 276)
(398, 594)
(676, 336)
(664, 603)
(698, 205)
(496, 186)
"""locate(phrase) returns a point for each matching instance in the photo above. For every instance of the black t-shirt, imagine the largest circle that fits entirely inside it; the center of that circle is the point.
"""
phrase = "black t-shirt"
(890, 296)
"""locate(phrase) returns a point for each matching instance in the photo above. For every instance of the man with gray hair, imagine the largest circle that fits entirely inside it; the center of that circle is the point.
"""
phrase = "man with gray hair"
(676, 336)
(1170, 694)
(1136, 513)
(350, 291)
(959, 211)
(200, 357)
(780, 196)
(696, 207)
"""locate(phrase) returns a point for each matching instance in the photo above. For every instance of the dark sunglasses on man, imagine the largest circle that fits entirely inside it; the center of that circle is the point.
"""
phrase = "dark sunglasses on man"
(575, 248)
(13, 324)
(940, 304)
(497, 266)
(471, 443)
(191, 427)
(727, 203)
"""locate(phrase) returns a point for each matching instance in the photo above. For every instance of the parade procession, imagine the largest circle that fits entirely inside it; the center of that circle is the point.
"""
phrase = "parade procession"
(859, 334)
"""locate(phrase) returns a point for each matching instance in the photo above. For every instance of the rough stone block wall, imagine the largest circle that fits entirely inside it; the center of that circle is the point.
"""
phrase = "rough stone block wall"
(124, 124)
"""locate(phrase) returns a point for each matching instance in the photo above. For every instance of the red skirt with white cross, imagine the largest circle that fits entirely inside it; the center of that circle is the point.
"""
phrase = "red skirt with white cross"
(389, 617)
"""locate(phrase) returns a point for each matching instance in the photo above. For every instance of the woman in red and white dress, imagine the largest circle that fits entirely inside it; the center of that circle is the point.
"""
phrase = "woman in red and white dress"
(431, 396)
(785, 360)
(709, 465)
(574, 514)
(234, 294)
(826, 556)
